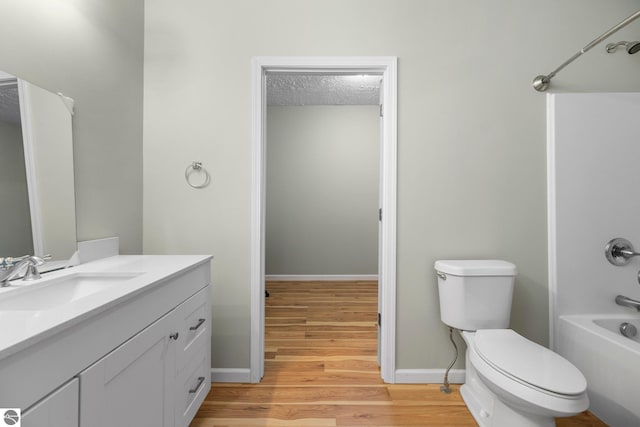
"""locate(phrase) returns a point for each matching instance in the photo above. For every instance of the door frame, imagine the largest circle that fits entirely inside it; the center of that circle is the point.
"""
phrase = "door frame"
(387, 67)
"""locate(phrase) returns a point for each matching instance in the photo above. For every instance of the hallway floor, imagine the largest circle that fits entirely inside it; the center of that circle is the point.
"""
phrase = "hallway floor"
(321, 370)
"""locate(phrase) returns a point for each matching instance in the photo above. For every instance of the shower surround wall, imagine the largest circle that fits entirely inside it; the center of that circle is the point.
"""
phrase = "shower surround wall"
(594, 147)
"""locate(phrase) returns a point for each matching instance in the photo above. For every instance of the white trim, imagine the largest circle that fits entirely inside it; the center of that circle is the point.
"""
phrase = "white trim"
(257, 220)
(320, 277)
(68, 102)
(230, 375)
(30, 167)
(428, 376)
(551, 218)
(388, 205)
(91, 250)
(387, 66)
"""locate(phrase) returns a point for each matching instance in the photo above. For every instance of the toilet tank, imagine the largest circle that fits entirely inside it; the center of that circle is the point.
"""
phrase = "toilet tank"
(475, 294)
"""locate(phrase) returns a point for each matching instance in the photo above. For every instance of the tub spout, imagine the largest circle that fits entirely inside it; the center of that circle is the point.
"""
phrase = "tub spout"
(627, 302)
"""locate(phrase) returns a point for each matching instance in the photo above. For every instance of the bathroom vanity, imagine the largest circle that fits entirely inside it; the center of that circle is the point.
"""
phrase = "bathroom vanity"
(120, 341)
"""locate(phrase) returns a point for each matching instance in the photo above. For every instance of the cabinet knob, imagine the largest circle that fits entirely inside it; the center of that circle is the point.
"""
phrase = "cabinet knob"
(174, 336)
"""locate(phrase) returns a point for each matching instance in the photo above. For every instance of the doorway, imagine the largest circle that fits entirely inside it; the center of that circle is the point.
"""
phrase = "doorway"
(386, 68)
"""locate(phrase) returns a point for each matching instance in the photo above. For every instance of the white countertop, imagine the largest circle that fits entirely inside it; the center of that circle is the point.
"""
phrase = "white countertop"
(23, 328)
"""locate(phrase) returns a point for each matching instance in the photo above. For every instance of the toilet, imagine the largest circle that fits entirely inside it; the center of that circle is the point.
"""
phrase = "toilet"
(509, 380)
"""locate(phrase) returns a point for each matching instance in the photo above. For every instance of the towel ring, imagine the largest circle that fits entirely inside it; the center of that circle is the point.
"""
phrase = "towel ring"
(197, 167)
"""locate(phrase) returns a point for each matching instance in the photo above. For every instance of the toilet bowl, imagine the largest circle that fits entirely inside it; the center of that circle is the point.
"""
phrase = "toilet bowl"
(509, 380)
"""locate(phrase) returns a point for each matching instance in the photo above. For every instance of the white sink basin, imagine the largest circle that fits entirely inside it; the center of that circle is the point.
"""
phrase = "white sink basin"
(57, 292)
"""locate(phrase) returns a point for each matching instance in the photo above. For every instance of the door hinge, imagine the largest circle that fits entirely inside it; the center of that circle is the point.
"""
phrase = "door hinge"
(381, 110)
(379, 319)
(380, 214)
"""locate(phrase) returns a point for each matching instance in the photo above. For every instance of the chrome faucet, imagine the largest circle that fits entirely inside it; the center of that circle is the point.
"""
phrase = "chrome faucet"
(10, 267)
(628, 302)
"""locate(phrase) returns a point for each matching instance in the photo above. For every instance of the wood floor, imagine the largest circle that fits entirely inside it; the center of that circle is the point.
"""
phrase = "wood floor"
(321, 370)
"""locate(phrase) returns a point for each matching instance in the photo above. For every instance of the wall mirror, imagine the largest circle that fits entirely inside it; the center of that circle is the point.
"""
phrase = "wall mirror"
(37, 197)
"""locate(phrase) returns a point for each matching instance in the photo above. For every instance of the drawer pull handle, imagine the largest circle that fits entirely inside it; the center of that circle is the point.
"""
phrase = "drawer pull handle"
(200, 322)
(200, 381)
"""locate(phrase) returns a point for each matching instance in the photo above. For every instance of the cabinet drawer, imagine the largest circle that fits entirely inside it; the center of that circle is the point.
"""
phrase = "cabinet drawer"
(192, 385)
(195, 326)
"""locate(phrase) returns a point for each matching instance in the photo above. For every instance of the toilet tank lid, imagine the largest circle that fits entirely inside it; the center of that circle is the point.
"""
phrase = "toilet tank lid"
(476, 267)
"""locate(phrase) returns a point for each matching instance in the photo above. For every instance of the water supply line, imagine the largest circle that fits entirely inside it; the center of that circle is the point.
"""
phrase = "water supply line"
(445, 386)
(541, 82)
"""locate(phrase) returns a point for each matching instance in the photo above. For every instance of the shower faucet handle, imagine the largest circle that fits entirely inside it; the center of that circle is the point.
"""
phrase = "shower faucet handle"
(619, 252)
(625, 253)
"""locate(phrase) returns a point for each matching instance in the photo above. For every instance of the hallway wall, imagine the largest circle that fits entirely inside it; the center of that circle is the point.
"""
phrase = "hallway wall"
(322, 190)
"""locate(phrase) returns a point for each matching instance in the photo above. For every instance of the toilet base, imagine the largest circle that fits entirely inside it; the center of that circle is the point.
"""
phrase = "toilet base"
(488, 409)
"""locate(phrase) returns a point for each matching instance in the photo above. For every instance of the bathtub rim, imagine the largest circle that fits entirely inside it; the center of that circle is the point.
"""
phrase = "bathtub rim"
(588, 323)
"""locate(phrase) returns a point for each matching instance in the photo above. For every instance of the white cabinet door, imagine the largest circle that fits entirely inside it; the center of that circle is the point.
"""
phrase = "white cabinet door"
(59, 409)
(133, 386)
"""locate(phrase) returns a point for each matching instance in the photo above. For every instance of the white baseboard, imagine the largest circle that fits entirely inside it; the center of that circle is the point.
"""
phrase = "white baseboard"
(319, 277)
(230, 375)
(403, 376)
(428, 376)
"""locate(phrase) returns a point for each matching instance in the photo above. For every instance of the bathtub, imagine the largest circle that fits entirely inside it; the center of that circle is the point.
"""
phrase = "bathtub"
(609, 361)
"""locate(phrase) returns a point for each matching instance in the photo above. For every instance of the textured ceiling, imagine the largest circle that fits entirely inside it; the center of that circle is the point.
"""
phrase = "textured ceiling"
(9, 104)
(282, 89)
(317, 89)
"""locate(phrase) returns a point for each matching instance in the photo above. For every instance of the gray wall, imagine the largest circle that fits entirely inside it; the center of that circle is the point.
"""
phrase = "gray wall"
(92, 52)
(15, 236)
(322, 190)
(471, 136)
(471, 131)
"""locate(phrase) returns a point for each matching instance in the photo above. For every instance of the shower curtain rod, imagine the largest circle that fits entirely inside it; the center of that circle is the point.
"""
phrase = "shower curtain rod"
(541, 82)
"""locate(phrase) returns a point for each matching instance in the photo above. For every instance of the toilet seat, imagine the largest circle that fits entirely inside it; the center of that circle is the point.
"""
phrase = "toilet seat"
(528, 363)
(516, 393)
